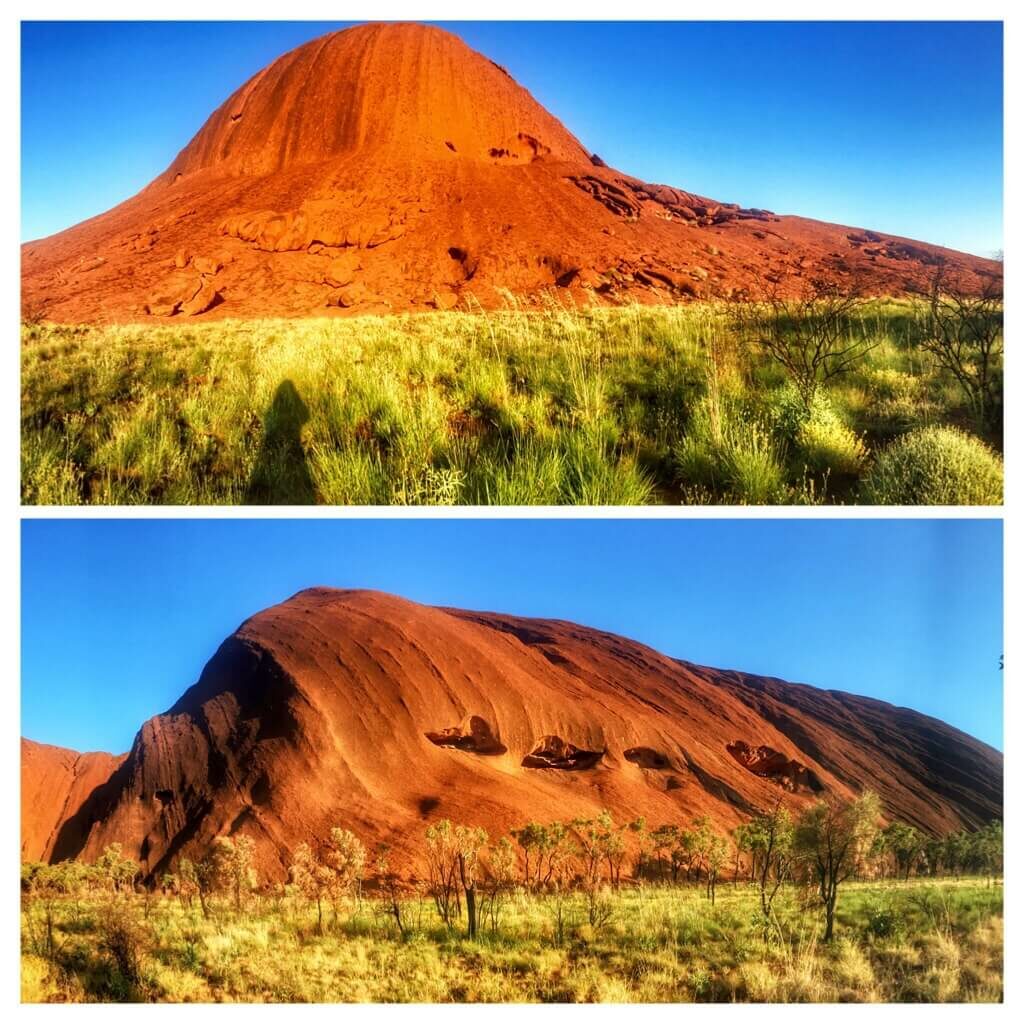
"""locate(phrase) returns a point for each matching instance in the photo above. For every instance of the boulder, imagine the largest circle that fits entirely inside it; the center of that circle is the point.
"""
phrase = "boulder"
(352, 295)
(445, 299)
(173, 293)
(206, 264)
(342, 269)
(203, 300)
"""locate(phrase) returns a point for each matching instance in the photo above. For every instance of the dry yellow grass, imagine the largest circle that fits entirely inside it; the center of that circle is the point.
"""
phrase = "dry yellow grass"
(660, 945)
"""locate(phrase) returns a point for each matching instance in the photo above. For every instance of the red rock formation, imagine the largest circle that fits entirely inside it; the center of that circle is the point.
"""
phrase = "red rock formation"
(57, 786)
(335, 708)
(390, 167)
(771, 764)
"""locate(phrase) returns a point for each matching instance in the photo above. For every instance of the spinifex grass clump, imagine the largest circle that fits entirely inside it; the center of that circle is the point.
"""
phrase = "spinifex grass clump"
(935, 466)
(613, 406)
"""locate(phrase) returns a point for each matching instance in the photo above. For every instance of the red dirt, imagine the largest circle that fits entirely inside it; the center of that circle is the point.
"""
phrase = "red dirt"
(328, 710)
(389, 168)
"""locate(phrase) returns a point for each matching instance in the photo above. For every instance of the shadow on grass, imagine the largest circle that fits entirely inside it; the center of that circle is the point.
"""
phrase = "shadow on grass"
(281, 475)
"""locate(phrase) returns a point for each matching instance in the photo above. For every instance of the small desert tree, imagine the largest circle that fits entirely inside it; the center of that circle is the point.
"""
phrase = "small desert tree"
(934, 855)
(644, 844)
(684, 855)
(963, 331)
(987, 847)
(345, 856)
(529, 838)
(663, 839)
(956, 852)
(41, 888)
(711, 853)
(773, 838)
(208, 880)
(614, 841)
(830, 840)
(904, 844)
(119, 871)
(501, 876)
(596, 843)
(589, 839)
(558, 876)
(548, 845)
(232, 864)
(701, 833)
(453, 867)
(468, 844)
(312, 878)
(443, 870)
(390, 887)
(813, 337)
(187, 884)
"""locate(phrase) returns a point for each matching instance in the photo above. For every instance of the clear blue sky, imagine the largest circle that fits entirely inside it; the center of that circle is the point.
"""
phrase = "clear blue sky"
(892, 126)
(119, 617)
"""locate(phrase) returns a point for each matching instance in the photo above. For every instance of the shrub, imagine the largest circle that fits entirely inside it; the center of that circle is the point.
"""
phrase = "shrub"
(935, 466)
(787, 411)
(884, 922)
(826, 443)
(823, 442)
(887, 383)
(123, 938)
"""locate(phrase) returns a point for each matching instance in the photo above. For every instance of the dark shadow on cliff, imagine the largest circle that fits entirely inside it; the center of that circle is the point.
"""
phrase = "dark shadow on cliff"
(73, 833)
(281, 475)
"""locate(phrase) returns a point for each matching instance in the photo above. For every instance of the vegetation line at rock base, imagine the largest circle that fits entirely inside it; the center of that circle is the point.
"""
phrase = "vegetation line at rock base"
(578, 911)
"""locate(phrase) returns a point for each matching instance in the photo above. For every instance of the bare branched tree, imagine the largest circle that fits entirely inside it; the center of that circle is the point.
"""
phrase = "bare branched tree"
(813, 337)
(964, 332)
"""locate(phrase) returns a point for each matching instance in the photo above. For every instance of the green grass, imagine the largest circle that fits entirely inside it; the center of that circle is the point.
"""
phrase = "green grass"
(918, 941)
(635, 405)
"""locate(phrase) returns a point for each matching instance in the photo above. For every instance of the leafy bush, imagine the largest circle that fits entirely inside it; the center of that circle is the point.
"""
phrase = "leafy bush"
(935, 466)
(787, 411)
(822, 441)
(826, 443)
(884, 922)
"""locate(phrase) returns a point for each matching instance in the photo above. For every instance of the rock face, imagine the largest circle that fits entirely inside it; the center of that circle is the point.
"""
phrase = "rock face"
(444, 184)
(58, 788)
(359, 709)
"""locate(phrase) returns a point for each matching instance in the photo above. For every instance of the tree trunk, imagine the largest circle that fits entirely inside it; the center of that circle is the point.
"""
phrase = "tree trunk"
(830, 916)
(471, 911)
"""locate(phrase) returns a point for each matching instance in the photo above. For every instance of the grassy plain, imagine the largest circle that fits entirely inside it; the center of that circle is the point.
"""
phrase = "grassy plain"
(922, 940)
(635, 405)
